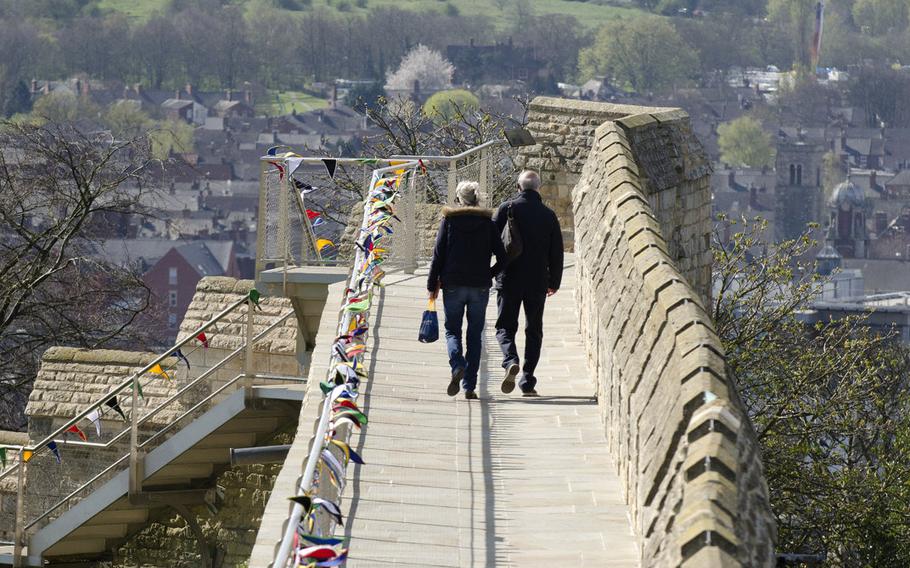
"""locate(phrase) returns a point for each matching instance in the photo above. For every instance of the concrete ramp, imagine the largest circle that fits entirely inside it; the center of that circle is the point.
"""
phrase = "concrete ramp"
(503, 481)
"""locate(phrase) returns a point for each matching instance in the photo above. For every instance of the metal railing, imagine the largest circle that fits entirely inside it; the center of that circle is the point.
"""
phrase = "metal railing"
(196, 395)
(286, 238)
(359, 274)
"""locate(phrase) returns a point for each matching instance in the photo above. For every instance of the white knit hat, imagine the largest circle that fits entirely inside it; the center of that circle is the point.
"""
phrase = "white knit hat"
(466, 193)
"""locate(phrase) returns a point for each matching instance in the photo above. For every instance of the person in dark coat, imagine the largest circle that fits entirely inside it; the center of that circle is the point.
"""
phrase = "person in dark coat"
(527, 281)
(466, 240)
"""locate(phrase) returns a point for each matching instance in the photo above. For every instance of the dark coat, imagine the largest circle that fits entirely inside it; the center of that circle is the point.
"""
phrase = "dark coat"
(466, 240)
(540, 264)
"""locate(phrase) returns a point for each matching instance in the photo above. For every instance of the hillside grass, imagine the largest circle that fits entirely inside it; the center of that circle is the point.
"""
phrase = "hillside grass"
(285, 102)
(591, 13)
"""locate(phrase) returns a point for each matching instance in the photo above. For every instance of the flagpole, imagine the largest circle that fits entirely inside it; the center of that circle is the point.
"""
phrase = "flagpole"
(20, 511)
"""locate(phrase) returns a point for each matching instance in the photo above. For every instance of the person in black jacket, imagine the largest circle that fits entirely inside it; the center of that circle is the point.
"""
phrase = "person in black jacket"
(466, 240)
(528, 280)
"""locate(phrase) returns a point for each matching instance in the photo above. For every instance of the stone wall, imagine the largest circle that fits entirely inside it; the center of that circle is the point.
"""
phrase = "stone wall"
(168, 542)
(681, 441)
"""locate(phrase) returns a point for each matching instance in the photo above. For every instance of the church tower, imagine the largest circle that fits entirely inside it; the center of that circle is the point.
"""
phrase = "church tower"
(798, 189)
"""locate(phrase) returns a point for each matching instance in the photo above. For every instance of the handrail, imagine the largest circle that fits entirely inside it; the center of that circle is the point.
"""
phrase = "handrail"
(146, 417)
(446, 159)
(135, 376)
(287, 540)
(135, 420)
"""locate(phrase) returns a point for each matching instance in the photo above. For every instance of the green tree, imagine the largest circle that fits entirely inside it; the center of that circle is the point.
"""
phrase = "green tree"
(743, 143)
(445, 106)
(877, 17)
(171, 137)
(63, 107)
(646, 53)
(126, 119)
(829, 402)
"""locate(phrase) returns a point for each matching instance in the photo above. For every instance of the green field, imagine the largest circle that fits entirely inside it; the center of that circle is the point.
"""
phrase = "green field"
(591, 13)
(285, 102)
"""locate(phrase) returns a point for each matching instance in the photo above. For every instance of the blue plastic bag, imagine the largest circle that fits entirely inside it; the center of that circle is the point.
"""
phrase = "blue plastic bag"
(429, 324)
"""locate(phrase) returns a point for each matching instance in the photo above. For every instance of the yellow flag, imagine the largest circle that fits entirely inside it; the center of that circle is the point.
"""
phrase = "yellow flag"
(27, 455)
(322, 243)
(159, 371)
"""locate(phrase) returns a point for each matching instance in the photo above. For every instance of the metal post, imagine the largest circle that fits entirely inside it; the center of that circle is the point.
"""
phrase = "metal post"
(453, 181)
(410, 225)
(482, 179)
(248, 358)
(136, 473)
(262, 233)
(284, 233)
(20, 512)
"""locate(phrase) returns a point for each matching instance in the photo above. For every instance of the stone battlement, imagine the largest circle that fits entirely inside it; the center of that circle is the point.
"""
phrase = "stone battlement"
(631, 187)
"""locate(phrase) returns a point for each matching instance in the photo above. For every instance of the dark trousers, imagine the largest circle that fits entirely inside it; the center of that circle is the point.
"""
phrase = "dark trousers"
(508, 304)
(457, 302)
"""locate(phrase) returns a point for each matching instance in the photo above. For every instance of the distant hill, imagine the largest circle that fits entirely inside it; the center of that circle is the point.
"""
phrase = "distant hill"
(502, 13)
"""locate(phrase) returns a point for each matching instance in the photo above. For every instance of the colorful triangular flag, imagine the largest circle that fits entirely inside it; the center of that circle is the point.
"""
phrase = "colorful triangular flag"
(112, 403)
(203, 339)
(330, 508)
(330, 166)
(159, 371)
(53, 447)
(337, 561)
(330, 540)
(3, 458)
(75, 430)
(322, 243)
(95, 417)
(179, 354)
(304, 501)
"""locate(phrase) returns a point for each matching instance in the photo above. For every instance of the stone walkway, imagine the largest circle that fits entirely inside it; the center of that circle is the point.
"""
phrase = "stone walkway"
(500, 481)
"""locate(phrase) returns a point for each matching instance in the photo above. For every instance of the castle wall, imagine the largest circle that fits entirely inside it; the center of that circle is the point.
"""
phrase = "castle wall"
(680, 438)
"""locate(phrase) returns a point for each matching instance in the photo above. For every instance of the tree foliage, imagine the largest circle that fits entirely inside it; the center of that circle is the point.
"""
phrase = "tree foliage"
(445, 105)
(60, 191)
(645, 53)
(743, 142)
(423, 66)
(830, 404)
(171, 137)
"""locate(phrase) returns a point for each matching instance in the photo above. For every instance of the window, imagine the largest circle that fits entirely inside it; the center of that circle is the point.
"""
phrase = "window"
(172, 320)
(792, 174)
(172, 276)
(172, 298)
(799, 175)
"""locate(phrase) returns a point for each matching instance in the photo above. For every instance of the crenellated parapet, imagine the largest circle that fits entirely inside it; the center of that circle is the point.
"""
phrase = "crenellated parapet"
(637, 182)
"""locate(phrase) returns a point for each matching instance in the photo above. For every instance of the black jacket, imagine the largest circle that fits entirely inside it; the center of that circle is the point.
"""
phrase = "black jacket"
(540, 264)
(466, 240)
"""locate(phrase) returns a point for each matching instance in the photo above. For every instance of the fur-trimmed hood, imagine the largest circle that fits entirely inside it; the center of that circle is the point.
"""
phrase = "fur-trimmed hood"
(450, 212)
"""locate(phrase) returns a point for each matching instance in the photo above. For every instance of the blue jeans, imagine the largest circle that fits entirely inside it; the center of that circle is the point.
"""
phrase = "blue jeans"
(457, 300)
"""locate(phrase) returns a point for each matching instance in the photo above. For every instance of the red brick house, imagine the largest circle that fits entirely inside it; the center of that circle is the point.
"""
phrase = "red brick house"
(172, 279)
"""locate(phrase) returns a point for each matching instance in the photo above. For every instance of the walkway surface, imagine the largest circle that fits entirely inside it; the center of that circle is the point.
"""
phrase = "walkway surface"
(500, 481)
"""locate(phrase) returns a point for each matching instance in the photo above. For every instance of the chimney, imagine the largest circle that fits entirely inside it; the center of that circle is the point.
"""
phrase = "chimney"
(334, 102)
(34, 88)
(189, 90)
(753, 197)
(872, 179)
(177, 94)
(248, 97)
(228, 95)
(472, 42)
(731, 179)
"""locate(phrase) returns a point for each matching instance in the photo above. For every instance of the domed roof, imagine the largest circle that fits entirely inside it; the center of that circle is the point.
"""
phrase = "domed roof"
(847, 193)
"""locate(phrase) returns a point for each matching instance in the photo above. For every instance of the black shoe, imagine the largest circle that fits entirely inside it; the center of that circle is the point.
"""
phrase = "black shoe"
(470, 395)
(508, 383)
(455, 383)
(529, 392)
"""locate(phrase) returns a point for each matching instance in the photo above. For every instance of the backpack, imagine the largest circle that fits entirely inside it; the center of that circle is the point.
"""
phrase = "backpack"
(511, 237)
